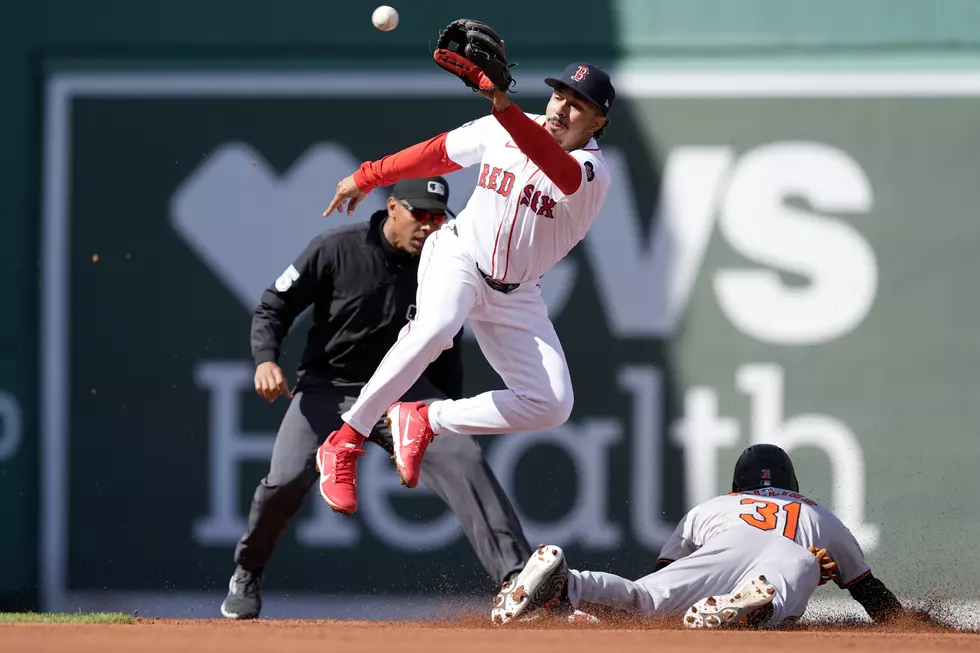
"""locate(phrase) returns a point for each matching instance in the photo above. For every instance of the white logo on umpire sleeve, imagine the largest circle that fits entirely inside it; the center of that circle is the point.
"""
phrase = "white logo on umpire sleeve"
(286, 279)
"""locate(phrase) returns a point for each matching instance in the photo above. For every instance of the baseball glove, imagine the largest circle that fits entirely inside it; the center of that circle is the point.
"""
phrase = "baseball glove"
(472, 51)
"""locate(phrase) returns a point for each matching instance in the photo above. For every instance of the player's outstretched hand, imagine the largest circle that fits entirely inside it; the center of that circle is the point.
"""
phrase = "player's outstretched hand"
(828, 568)
(270, 382)
(347, 192)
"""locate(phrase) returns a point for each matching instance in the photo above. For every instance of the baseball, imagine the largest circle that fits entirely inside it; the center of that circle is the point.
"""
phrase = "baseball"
(385, 18)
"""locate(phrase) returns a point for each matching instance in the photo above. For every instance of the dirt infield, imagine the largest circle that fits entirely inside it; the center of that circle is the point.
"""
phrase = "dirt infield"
(473, 635)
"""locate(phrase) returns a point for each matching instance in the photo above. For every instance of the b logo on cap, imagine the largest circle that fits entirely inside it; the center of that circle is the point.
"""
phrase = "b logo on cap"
(580, 73)
(436, 187)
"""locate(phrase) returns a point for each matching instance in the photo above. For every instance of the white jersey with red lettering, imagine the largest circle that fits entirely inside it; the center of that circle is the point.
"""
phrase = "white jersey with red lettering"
(727, 540)
(517, 224)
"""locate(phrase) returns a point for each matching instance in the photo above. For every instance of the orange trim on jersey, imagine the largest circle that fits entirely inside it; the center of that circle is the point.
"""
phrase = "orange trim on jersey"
(861, 577)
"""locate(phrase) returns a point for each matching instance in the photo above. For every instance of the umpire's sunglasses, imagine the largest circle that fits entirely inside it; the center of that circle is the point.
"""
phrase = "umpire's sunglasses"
(437, 218)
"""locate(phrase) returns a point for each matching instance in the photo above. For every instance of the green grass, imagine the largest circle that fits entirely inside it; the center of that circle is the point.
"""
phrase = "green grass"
(65, 618)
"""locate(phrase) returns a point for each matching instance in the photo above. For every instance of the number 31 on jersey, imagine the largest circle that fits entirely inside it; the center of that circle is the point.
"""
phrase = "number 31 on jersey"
(766, 516)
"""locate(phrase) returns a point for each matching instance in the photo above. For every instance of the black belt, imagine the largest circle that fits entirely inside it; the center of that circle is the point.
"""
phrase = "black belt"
(499, 286)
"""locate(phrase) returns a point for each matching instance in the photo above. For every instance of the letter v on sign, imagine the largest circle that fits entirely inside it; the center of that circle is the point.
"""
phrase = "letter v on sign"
(693, 187)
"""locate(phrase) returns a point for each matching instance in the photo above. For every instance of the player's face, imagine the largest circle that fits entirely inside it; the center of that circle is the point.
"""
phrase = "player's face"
(407, 228)
(571, 118)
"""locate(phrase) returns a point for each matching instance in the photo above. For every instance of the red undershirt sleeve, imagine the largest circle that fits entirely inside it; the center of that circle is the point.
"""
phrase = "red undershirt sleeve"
(425, 159)
(558, 165)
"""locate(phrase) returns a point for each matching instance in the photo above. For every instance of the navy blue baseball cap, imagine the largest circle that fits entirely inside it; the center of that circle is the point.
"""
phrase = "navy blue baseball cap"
(588, 80)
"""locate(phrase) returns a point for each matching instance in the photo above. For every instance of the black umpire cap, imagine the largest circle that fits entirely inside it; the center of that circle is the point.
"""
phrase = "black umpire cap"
(588, 80)
(429, 193)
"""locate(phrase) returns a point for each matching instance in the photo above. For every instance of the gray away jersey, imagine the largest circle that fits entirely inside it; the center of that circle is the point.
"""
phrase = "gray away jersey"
(776, 513)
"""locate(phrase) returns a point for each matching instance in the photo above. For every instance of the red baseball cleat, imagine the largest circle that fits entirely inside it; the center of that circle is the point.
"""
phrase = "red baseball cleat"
(337, 465)
(410, 435)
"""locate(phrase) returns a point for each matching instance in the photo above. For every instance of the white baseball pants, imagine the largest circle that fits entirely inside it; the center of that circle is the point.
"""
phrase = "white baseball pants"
(720, 567)
(513, 331)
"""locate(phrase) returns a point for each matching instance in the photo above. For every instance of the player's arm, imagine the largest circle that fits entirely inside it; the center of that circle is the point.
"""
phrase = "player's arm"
(440, 155)
(446, 371)
(854, 574)
(680, 544)
(426, 159)
(564, 170)
(287, 297)
(878, 601)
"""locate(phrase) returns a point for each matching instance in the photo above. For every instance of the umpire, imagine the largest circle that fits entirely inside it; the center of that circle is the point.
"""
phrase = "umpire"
(361, 281)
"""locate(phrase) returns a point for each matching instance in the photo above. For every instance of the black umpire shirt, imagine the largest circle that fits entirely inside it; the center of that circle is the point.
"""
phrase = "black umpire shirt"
(363, 291)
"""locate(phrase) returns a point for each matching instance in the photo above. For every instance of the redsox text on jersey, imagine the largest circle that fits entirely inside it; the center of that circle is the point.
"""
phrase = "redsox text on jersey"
(753, 557)
(542, 183)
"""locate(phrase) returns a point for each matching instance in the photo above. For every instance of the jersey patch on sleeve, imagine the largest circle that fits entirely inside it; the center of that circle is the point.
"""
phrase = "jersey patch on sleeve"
(286, 279)
(589, 171)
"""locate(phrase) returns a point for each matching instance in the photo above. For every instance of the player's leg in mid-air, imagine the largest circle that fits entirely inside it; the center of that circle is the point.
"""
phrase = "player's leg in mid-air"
(448, 289)
(516, 337)
(519, 341)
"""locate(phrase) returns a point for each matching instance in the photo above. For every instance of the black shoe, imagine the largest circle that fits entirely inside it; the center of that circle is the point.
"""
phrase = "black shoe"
(244, 600)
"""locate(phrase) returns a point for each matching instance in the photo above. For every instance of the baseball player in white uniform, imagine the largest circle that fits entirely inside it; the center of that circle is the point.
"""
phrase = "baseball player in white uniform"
(752, 557)
(542, 182)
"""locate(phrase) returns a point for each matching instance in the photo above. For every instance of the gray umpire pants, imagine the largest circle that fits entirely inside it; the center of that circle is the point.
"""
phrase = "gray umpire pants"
(454, 468)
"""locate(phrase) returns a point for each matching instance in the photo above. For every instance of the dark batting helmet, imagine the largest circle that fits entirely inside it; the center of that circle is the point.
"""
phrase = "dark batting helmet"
(764, 465)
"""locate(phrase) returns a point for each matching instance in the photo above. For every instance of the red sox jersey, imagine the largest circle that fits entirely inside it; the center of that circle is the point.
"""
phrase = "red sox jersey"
(774, 513)
(517, 224)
